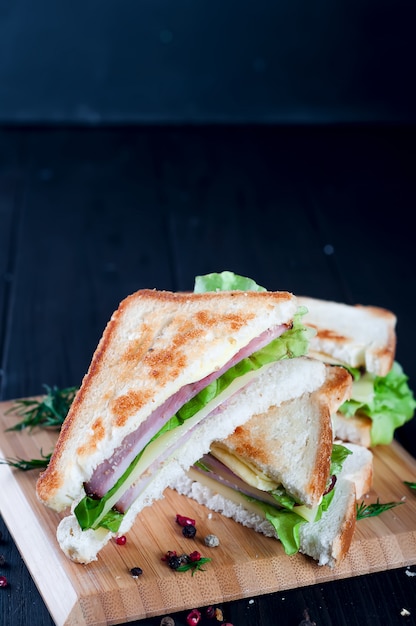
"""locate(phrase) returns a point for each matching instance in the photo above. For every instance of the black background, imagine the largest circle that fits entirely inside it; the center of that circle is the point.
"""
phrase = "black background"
(158, 61)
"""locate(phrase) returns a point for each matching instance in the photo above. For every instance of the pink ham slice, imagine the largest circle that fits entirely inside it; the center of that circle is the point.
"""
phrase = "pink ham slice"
(107, 473)
(135, 490)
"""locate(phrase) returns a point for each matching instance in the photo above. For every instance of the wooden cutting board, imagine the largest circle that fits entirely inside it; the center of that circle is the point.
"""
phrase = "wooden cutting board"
(245, 564)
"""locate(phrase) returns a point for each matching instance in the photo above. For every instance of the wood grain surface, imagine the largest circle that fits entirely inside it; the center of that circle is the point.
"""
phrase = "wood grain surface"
(245, 564)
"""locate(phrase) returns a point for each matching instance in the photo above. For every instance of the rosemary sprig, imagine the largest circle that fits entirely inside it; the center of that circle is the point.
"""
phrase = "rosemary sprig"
(374, 509)
(48, 412)
(409, 484)
(193, 565)
(27, 464)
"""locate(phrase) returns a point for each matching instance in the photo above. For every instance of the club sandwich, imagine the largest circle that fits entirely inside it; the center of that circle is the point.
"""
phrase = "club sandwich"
(163, 383)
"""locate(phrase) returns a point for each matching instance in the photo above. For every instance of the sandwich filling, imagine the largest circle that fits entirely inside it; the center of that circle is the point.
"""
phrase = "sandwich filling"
(236, 480)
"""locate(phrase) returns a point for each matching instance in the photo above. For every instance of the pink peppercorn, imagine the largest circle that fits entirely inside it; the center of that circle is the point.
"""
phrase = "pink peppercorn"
(183, 520)
(121, 541)
(193, 618)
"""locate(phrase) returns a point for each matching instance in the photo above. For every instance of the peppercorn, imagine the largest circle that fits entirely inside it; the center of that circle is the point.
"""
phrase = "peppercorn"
(167, 621)
(211, 541)
(136, 572)
(193, 618)
(3, 581)
(194, 556)
(174, 562)
(185, 558)
(189, 531)
(183, 520)
(121, 540)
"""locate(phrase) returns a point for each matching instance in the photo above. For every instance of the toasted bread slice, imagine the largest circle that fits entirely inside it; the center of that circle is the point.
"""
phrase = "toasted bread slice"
(359, 336)
(291, 444)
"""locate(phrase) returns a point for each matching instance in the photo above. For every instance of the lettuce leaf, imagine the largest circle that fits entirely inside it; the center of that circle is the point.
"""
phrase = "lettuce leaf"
(338, 456)
(287, 522)
(225, 281)
(393, 404)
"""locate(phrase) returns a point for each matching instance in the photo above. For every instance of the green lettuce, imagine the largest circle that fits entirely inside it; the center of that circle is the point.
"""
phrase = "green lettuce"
(338, 456)
(225, 281)
(392, 405)
(287, 522)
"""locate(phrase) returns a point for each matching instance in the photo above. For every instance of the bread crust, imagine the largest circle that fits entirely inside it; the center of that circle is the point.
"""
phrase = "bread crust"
(155, 343)
(346, 533)
(357, 335)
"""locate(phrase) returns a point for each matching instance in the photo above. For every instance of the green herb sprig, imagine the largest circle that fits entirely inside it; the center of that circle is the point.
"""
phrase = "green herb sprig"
(409, 484)
(27, 464)
(374, 509)
(46, 412)
(194, 565)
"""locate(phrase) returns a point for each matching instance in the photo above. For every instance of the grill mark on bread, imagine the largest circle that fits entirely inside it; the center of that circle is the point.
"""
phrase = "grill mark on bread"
(50, 480)
(172, 360)
(127, 405)
(246, 444)
(97, 434)
(139, 346)
(329, 334)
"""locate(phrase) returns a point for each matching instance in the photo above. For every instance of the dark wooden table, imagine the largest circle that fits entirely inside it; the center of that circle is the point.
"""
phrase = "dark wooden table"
(88, 216)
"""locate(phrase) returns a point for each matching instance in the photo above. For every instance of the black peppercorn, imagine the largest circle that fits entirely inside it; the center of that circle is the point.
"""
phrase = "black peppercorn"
(189, 531)
(136, 572)
(174, 562)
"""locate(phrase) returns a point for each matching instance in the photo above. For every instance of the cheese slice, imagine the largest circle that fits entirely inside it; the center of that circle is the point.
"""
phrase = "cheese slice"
(251, 505)
(243, 468)
(363, 389)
